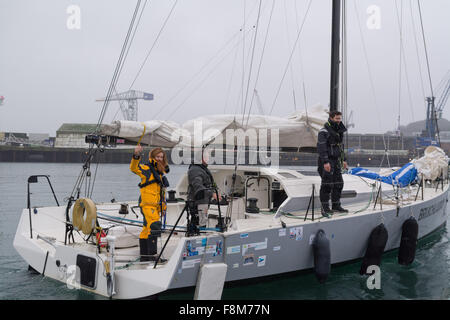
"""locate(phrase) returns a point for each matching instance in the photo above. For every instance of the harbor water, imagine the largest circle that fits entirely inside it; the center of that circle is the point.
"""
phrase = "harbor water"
(428, 277)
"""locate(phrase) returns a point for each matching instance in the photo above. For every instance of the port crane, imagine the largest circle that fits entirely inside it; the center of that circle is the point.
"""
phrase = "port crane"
(128, 102)
(435, 108)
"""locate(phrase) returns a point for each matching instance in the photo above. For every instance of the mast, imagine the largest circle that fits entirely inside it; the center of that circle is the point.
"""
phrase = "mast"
(335, 59)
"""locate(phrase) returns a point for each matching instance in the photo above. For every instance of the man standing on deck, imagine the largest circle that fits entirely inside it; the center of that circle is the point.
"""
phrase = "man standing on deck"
(330, 163)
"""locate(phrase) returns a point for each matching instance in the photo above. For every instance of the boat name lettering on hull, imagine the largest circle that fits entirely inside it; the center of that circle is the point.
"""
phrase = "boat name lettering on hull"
(429, 211)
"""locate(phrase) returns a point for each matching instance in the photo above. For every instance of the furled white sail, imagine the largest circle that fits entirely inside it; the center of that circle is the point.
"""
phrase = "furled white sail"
(433, 164)
(296, 131)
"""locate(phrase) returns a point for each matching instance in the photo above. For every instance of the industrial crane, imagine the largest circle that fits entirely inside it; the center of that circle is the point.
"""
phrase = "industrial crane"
(129, 112)
(444, 89)
(434, 111)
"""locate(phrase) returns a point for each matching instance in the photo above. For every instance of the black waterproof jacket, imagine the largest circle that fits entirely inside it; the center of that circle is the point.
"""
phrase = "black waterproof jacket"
(200, 183)
(330, 144)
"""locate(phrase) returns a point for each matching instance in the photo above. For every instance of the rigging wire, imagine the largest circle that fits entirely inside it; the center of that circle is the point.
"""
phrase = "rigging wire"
(204, 79)
(425, 48)
(260, 61)
(301, 61)
(119, 67)
(126, 55)
(403, 59)
(92, 151)
(400, 22)
(290, 57)
(93, 182)
(132, 37)
(417, 50)
(243, 58)
(154, 43)
(372, 86)
(187, 83)
(429, 72)
(230, 82)
(116, 71)
(251, 61)
(241, 89)
(250, 28)
(290, 65)
(229, 212)
(344, 85)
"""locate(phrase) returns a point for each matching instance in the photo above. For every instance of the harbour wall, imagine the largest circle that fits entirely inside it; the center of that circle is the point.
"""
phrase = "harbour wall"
(77, 155)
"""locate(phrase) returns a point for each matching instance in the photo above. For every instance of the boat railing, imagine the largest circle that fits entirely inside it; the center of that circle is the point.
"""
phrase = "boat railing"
(191, 229)
(34, 179)
(311, 203)
(186, 206)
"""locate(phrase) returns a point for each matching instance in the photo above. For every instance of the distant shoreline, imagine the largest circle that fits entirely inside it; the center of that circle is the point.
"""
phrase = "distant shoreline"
(78, 155)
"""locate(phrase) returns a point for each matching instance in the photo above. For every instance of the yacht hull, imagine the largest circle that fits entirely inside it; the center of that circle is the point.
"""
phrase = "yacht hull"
(253, 247)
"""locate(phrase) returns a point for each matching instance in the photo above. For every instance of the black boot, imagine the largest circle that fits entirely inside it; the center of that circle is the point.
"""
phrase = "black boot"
(152, 245)
(326, 211)
(143, 248)
(153, 249)
(337, 208)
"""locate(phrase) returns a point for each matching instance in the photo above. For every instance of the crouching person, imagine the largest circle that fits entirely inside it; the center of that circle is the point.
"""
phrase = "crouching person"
(200, 191)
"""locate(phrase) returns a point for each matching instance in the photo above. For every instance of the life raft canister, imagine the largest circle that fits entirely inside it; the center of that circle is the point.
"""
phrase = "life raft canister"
(85, 223)
(408, 242)
(375, 248)
(100, 236)
(322, 256)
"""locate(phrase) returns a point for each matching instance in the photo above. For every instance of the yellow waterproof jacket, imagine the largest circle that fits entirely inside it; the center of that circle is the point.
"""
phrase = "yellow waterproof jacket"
(150, 186)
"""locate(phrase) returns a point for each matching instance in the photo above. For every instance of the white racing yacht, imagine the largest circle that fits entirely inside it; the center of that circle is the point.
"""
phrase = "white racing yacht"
(269, 222)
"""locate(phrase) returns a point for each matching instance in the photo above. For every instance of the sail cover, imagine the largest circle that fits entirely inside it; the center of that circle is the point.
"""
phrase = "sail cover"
(402, 177)
(296, 131)
(432, 165)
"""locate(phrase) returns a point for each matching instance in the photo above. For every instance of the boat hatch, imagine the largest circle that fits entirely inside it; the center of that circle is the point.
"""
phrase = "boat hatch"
(87, 271)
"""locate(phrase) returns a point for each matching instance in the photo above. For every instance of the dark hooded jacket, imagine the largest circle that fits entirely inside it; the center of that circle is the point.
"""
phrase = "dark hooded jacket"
(330, 140)
(200, 181)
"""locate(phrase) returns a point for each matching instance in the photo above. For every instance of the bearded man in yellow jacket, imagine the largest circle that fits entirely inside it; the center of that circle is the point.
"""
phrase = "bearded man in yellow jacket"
(152, 200)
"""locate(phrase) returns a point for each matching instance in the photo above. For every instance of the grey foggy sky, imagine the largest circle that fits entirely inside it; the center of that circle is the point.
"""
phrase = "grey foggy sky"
(51, 75)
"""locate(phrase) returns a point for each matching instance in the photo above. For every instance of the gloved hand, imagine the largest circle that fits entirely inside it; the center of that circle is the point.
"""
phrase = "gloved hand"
(200, 194)
(165, 182)
(138, 150)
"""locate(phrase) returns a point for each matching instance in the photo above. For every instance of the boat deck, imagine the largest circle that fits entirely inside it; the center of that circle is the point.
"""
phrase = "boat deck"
(129, 257)
(126, 228)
